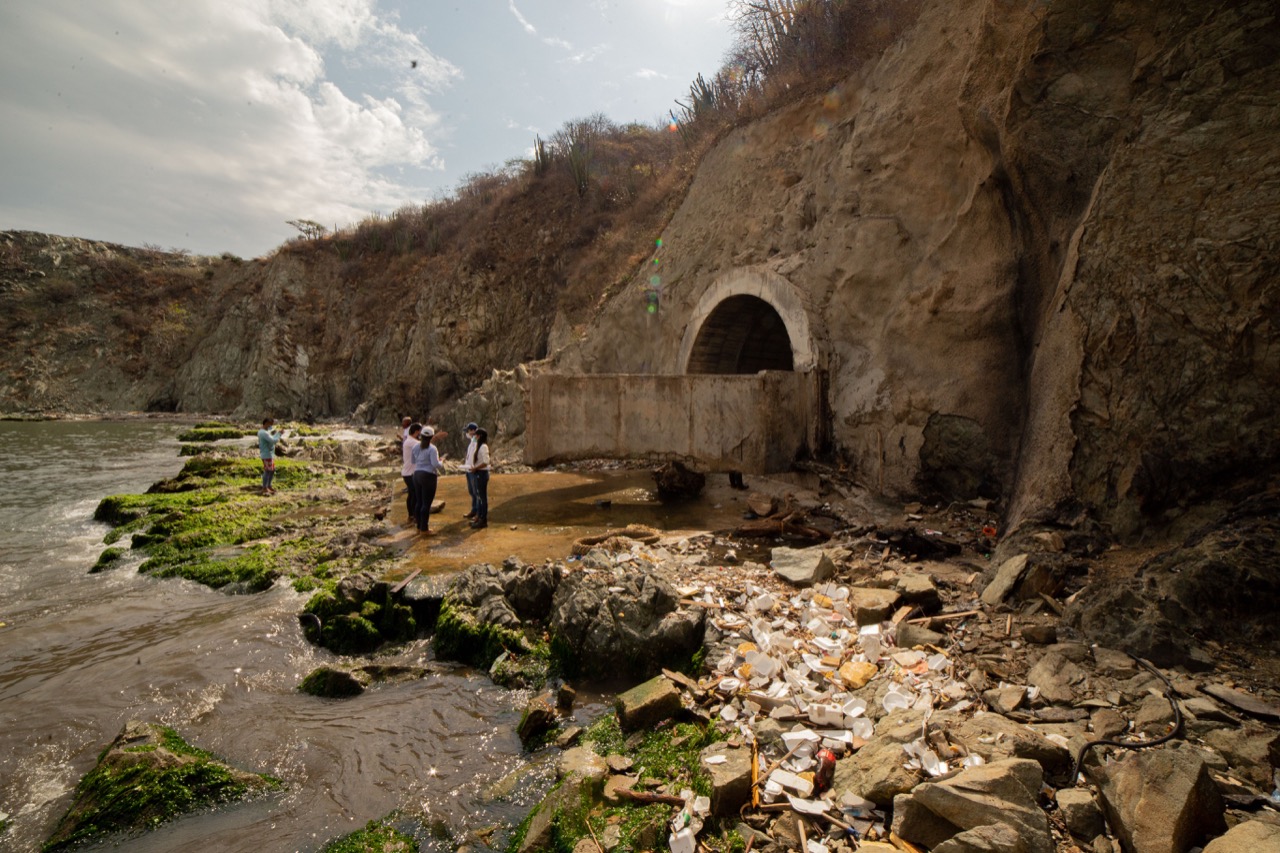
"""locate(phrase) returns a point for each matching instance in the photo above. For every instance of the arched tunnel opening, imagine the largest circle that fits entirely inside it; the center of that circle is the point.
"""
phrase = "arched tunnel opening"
(743, 334)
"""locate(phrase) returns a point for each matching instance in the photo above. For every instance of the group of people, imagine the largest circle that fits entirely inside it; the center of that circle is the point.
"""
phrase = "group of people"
(422, 467)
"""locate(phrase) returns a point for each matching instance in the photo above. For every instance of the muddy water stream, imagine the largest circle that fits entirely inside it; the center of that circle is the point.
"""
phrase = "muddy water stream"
(81, 654)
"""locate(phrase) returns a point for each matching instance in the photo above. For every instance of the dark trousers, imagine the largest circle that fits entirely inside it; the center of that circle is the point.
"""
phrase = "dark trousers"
(481, 496)
(411, 497)
(471, 490)
(424, 484)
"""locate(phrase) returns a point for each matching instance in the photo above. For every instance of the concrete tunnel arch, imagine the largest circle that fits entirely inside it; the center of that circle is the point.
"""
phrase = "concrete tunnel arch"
(748, 321)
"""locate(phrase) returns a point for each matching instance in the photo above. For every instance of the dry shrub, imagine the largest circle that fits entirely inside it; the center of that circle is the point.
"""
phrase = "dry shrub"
(59, 291)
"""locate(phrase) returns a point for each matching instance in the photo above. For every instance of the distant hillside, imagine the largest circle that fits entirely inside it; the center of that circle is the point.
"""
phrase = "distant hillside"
(399, 314)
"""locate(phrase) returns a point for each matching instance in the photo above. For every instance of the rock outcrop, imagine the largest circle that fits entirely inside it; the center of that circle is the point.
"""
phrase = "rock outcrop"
(602, 624)
(1032, 246)
(146, 776)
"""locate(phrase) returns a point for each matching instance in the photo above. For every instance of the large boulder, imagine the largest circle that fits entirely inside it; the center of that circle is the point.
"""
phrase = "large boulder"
(146, 776)
(676, 480)
(622, 624)
(802, 566)
(878, 771)
(603, 624)
(1159, 800)
(1252, 836)
(991, 808)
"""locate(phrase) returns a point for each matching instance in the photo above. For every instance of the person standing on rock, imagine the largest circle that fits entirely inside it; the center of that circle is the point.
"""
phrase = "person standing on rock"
(268, 438)
(468, 467)
(480, 470)
(407, 445)
(405, 423)
(426, 475)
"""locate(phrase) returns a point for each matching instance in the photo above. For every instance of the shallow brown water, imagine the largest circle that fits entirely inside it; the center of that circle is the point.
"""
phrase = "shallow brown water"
(540, 515)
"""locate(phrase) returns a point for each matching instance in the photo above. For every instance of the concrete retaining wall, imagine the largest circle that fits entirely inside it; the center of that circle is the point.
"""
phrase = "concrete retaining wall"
(754, 424)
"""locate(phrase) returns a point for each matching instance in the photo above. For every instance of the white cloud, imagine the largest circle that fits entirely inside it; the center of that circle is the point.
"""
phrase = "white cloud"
(589, 55)
(529, 28)
(208, 112)
(650, 74)
(524, 22)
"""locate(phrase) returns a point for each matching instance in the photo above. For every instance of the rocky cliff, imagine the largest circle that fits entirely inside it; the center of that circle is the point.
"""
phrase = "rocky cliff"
(1034, 244)
(1037, 247)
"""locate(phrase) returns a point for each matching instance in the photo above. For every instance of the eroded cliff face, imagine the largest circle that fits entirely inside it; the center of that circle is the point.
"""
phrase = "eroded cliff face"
(94, 327)
(1036, 244)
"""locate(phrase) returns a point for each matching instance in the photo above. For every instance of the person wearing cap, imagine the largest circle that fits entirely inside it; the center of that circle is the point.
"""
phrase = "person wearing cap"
(268, 438)
(468, 466)
(426, 474)
(407, 446)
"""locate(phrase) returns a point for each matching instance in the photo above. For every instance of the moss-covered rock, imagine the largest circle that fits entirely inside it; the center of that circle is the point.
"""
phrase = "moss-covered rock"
(356, 615)
(210, 523)
(515, 671)
(108, 558)
(572, 810)
(376, 837)
(331, 683)
(149, 775)
(214, 432)
(461, 636)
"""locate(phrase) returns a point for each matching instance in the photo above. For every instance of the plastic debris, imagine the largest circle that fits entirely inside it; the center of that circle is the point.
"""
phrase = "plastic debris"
(687, 823)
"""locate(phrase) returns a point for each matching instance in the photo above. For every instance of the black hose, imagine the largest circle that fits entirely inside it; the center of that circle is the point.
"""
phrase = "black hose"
(1169, 694)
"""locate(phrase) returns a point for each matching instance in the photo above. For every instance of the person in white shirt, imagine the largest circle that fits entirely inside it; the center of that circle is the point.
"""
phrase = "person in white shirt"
(480, 468)
(468, 463)
(407, 445)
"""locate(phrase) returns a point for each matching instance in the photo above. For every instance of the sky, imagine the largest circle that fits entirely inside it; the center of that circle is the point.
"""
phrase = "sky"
(206, 125)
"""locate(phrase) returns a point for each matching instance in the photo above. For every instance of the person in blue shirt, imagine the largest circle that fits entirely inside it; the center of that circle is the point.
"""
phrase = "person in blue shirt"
(426, 474)
(268, 438)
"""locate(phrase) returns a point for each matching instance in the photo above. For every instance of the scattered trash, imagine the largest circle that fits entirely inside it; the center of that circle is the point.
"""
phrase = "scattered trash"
(687, 823)
(826, 770)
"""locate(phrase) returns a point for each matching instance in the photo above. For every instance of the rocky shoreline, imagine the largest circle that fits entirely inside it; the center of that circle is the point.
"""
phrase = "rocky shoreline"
(955, 683)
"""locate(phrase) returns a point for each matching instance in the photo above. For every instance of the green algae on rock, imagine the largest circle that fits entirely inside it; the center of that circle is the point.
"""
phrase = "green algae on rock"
(462, 637)
(356, 615)
(214, 432)
(210, 524)
(376, 837)
(108, 558)
(572, 811)
(149, 775)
